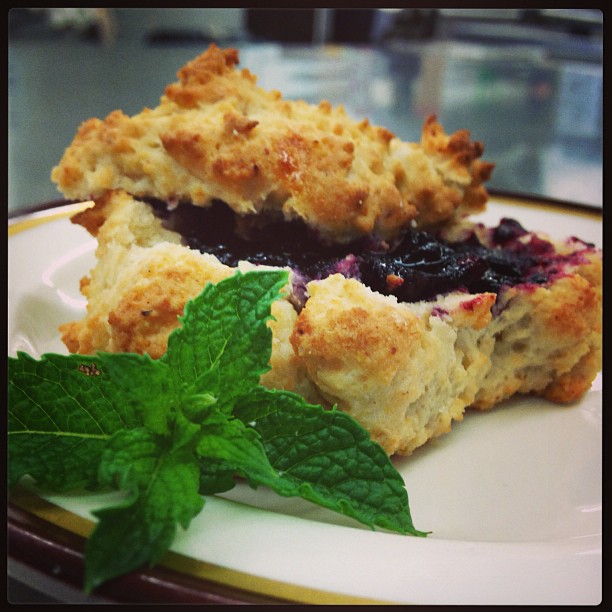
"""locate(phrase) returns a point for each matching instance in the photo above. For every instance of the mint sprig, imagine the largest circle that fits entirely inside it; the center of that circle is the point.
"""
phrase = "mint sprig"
(327, 457)
(170, 431)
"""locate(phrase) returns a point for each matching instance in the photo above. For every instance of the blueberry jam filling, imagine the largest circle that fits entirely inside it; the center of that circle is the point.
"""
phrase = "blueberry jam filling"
(419, 266)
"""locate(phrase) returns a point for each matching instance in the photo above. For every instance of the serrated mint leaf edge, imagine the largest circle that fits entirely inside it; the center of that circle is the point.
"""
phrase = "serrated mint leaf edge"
(290, 484)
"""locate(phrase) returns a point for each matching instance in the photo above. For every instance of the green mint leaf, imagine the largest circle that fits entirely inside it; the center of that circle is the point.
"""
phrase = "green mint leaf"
(137, 385)
(326, 457)
(199, 397)
(216, 476)
(228, 447)
(226, 325)
(161, 483)
(61, 411)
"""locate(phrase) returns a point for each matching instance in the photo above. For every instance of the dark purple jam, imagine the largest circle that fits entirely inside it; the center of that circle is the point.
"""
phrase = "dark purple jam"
(419, 267)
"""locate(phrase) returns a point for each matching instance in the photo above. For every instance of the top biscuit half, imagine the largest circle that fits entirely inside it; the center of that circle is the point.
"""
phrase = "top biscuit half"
(216, 135)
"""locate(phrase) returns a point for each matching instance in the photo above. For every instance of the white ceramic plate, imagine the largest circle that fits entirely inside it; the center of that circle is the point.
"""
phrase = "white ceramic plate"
(513, 496)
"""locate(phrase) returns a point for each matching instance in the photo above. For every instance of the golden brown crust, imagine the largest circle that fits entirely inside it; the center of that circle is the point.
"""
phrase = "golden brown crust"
(556, 328)
(405, 371)
(142, 281)
(394, 367)
(215, 134)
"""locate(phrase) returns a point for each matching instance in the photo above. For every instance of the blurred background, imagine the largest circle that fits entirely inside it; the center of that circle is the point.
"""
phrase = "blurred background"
(526, 82)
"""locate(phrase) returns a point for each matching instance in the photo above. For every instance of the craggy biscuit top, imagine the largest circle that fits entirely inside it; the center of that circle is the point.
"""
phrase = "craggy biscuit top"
(217, 135)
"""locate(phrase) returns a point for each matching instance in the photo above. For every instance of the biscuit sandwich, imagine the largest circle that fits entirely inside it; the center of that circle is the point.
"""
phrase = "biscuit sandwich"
(399, 309)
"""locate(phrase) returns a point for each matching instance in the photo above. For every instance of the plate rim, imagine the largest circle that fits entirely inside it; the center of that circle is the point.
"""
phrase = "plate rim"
(178, 578)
